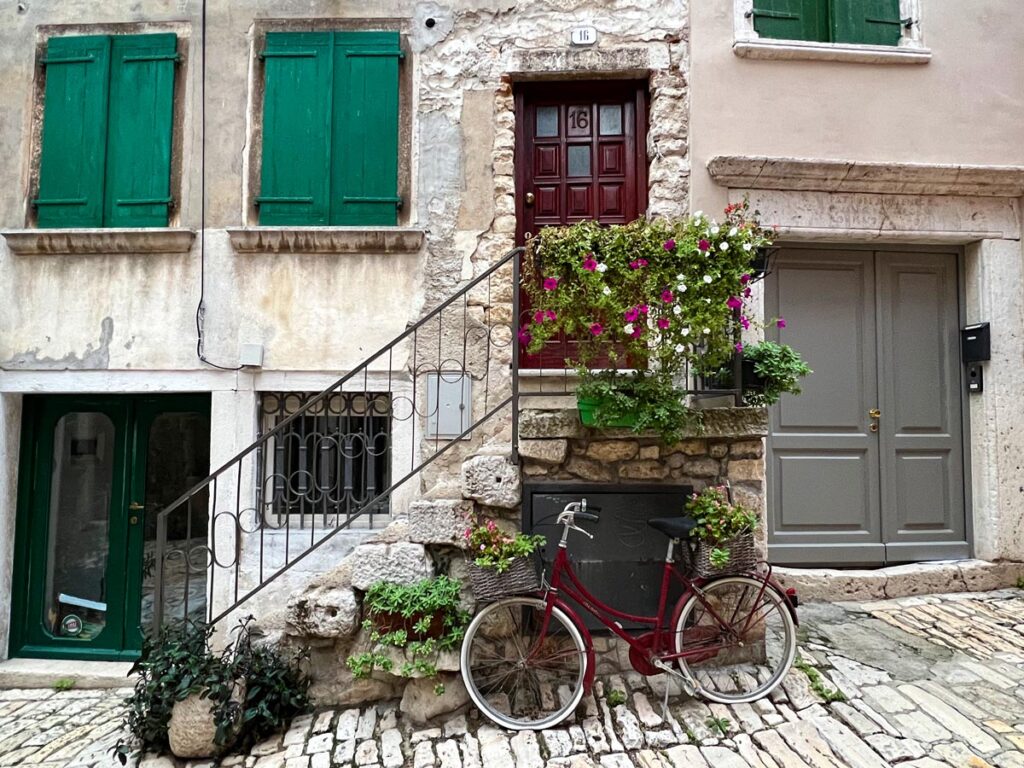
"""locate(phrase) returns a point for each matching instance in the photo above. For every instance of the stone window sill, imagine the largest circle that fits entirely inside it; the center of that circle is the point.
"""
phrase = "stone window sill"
(857, 54)
(326, 239)
(121, 240)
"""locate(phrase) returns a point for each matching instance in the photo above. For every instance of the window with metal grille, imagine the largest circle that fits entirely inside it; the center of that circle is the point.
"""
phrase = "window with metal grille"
(330, 462)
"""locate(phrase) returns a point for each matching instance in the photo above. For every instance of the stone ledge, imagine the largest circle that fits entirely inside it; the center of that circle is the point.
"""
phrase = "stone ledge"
(789, 50)
(326, 239)
(788, 173)
(119, 240)
(43, 673)
(718, 422)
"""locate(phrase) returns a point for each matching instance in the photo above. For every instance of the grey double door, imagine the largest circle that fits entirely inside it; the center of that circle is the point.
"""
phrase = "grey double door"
(866, 466)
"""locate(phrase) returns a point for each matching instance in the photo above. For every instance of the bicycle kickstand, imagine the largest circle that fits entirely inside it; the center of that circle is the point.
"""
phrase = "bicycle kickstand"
(690, 686)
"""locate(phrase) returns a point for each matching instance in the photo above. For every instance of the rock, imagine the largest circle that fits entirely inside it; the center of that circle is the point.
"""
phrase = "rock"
(492, 480)
(612, 450)
(689, 447)
(343, 689)
(746, 470)
(421, 704)
(324, 612)
(440, 522)
(191, 729)
(399, 563)
(588, 469)
(650, 452)
(643, 469)
(544, 451)
(718, 450)
(747, 449)
(704, 466)
(561, 423)
(338, 576)
(733, 422)
(833, 585)
(395, 532)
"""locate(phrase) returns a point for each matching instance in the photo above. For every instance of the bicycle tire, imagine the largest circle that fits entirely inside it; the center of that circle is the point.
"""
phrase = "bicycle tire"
(481, 651)
(712, 668)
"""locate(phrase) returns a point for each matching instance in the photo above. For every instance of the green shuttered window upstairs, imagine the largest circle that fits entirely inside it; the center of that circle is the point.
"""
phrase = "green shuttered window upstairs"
(330, 129)
(873, 22)
(106, 139)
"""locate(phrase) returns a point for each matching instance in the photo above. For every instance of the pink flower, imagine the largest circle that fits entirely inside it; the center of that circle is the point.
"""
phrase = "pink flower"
(550, 314)
(670, 245)
(739, 346)
(550, 283)
(746, 293)
(703, 244)
(596, 329)
(482, 547)
(667, 296)
(663, 323)
(491, 526)
(643, 309)
(538, 316)
(632, 314)
(589, 263)
(781, 322)
(744, 279)
(734, 302)
(638, 331)
(744, 322)
(525, 337)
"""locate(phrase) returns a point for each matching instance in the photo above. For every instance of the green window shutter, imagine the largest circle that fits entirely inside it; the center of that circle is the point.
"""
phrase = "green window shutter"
(792, 19)
(296, 129)
(138, 181)
(364, 167)
(74, 136)
(874, 22)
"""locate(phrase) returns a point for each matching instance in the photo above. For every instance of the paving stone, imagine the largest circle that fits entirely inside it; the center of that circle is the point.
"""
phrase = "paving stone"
(367, 723)
(526, 750)
(952, 719)
(956, 753)
(345, 751)
(895, 750)
(391, 748)
(448, 754)
(347, 722)
(557, 742)
(720, 757)
(616, 760)
(645, 712)
(320, 760)
(859, 722)
(629, 730)
(320, 743)
(885, 699)
(470, 749)
(367, 752)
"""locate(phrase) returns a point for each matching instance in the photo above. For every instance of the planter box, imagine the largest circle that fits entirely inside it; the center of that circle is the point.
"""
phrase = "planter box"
(587, 408)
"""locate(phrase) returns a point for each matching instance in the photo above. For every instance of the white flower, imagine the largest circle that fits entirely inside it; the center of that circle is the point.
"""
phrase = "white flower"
(698, 214)
(733, 231)
(602, 267)
(681, 287)
(707, 279)
(686, 331)
(715, 230)
(677, 310)
(724, 246)
(680, 277)
(606, 291)
(628, 328)
(747, 246)
(707, 300)
(707, 331)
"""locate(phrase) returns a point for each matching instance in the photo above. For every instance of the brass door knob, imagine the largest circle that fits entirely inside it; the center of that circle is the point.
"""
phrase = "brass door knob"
(530, 198)
(874, 413)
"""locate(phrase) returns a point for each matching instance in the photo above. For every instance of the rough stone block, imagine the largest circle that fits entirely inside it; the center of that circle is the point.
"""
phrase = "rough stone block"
(643, 469)
(689, 447)
(718, 450)
(612, 450)
(560, 423)
(833, 585)
(588, 469)
(747, 449)
(544, 451)
(735, 422)
(702, 467)
(323, 612)
(650, 452)
(492, 480)
(421, 704)
(399, 563)
(746, 470)
(440, 522)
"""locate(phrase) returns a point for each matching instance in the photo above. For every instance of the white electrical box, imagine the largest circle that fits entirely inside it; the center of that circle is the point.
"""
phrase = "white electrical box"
(449, 403)
(251, 355)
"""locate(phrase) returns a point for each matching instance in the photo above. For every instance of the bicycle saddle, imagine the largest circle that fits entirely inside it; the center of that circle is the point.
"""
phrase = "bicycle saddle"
(673, 527)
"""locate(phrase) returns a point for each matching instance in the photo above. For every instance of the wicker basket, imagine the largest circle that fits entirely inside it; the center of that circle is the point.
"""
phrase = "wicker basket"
(743, 556)
(519, 577)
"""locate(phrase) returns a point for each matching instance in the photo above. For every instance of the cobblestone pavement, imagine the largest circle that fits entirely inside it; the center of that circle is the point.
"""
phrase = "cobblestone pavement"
(927, 682)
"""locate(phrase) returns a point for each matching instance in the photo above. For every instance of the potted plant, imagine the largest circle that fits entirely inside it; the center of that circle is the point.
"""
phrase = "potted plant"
(770, 370)
(502, 562)
(664, 297)
(199, 703)
(723, 536)
(420, 621)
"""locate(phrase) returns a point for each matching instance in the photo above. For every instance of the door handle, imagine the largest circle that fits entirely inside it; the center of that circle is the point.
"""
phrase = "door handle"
(874, 413)
(135, 506)
(530, 198)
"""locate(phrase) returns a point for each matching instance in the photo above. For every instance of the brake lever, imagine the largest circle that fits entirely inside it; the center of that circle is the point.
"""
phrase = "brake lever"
(586, 533)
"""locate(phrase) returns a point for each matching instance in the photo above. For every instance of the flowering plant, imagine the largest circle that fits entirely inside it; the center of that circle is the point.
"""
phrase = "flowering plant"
(495, 549)
(718, 520)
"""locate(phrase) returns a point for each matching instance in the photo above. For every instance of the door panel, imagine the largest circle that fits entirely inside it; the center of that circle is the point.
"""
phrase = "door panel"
(824, 461)
(920, 423)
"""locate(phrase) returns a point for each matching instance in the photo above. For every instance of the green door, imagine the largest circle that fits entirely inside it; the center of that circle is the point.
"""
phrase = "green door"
(94, 472)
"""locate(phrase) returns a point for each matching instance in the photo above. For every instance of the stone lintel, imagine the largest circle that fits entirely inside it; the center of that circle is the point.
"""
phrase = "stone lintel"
(718, 422)
(585, 63)
(114, 240)
(828, 175)
(326, 239)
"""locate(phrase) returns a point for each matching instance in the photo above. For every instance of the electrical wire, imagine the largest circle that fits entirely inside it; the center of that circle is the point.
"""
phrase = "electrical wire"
(201, 307)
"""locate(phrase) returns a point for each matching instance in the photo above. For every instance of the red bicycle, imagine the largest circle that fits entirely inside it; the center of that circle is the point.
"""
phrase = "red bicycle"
(528, 660)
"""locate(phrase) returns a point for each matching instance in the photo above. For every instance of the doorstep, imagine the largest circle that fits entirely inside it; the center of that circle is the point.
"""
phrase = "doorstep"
(44, 673)
(940, 577)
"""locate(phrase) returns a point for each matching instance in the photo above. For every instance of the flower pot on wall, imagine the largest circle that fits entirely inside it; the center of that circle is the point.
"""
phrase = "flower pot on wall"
(587, 408)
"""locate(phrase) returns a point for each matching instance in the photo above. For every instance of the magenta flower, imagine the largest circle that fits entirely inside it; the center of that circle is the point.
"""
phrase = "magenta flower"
(744, 322)
(550, 283)
(744, 279)
(667, 296)
(739, 346)
(589, 263)
(734, 302)
(663, 323)
(643, 309)
(632, 314)
(637, 331)
(525, 337)
(538, 317)
(703, 244)
(550, 314)
(746, 293)
(596, 329)
(670, 245)
(781, 322)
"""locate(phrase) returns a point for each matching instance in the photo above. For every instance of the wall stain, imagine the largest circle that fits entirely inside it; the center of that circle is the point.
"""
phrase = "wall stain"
(91, 358)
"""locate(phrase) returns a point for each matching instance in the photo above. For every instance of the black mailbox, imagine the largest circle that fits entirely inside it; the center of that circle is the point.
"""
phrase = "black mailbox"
(976, 343)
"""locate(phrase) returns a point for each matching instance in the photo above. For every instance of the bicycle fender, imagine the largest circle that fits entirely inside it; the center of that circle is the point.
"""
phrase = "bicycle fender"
(588, 676)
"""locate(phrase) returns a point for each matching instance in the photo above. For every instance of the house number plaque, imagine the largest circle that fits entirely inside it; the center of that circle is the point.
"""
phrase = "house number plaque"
(583, 35)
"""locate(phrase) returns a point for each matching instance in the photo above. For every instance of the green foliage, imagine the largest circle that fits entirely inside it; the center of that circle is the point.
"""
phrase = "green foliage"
(718, 521)
(817, 684)
(64, 684)
(1020, 582)
(720, 724)
(253, 688)
(649, 398)
(780, 368)
(425, 597)
(495, 549)
(439, 689)
(615, 697)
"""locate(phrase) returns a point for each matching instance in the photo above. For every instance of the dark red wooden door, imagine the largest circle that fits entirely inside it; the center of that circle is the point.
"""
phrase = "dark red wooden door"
(580, 154)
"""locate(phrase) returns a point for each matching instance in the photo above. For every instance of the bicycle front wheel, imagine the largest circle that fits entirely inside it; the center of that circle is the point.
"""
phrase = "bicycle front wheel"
(738, 638)
(519, 673)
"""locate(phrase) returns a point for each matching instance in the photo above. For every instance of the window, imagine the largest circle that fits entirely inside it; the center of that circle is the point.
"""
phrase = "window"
(330, 129)
(327, 463)
(874, 22)
(106, 136)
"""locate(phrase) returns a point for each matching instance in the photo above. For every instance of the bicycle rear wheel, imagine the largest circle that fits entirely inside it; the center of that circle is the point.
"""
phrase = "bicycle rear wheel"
(519, 674)
(739, 640)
